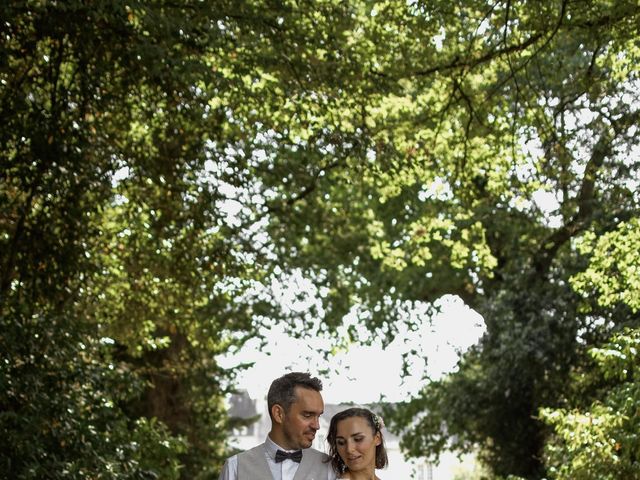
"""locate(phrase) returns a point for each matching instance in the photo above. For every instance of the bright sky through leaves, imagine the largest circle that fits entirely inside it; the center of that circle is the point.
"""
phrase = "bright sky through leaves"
(364, 373)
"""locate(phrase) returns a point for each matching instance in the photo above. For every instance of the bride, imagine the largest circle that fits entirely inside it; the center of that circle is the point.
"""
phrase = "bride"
(356, 446)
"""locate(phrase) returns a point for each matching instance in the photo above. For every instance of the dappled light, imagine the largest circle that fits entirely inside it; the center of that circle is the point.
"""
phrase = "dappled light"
(190, 186)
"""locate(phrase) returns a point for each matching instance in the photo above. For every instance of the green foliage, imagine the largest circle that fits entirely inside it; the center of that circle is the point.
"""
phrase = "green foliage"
(613, 275)
(62, 417)
(120, 278)
(601, 441)
(390, 152)
(484, 110)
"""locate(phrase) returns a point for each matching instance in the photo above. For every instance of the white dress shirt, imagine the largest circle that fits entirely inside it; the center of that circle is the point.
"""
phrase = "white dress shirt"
(284, 470)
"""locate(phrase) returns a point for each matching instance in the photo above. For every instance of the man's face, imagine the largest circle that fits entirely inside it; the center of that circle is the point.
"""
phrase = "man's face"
(302, 421)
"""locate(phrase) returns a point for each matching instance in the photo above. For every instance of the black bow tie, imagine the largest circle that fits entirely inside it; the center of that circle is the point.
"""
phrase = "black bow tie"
(295, 456)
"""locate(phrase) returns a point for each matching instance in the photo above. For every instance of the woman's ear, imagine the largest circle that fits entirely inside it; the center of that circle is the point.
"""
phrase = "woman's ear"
(378, 438)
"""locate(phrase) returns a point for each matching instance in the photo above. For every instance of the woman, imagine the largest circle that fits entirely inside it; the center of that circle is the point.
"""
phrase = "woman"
(356, 446)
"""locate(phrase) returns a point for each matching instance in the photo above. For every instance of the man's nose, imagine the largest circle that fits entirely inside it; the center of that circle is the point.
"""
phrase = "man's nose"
(315, 424)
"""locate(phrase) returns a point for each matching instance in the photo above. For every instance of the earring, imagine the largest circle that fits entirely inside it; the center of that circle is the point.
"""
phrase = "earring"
(341, 464)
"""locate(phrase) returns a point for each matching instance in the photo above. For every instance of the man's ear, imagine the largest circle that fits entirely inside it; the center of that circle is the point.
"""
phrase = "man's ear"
(277, 412)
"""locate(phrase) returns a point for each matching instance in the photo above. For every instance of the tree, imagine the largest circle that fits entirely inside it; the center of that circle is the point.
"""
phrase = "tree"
(391, 152)
(600, 440)
(121, 277)
(481, 111)
(595, 436)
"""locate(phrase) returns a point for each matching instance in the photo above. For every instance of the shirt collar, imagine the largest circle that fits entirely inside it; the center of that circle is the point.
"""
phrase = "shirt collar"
(272, 447)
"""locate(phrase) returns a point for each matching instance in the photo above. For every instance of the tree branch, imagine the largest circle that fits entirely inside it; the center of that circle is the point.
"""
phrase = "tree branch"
(580, 221)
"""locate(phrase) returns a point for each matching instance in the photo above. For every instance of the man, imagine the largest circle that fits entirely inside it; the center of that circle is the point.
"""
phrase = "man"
(295, 406)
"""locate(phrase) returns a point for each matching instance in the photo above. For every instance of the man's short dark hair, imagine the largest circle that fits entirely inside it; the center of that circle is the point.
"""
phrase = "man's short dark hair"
(282, 390)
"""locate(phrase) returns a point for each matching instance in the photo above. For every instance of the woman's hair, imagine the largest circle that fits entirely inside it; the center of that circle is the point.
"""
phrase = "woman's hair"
(373, 420)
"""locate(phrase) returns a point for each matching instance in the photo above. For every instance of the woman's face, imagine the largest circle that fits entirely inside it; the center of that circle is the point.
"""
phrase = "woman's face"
(356, 443)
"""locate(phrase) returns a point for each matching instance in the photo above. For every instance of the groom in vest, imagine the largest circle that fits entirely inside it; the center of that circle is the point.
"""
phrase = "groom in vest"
(295, 406)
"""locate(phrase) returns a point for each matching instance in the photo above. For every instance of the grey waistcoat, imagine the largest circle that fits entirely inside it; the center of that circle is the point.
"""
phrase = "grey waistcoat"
(252, 465)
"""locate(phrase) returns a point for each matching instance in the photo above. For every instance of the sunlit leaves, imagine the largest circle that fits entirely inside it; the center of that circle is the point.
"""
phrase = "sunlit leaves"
(166, 164)
(601, 441)
(614, 271)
